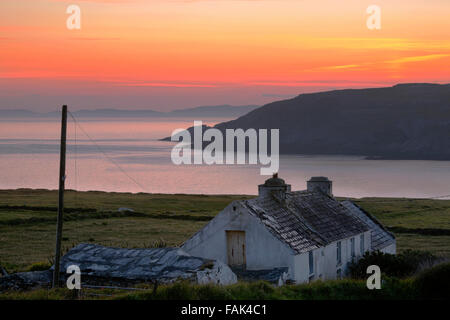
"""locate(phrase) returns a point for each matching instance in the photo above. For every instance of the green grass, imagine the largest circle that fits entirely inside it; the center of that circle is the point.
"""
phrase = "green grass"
(408, 218)
(409, 213)
(104, 201)
(27, 221)
(24, 244)
(346, 289)
(432, 283)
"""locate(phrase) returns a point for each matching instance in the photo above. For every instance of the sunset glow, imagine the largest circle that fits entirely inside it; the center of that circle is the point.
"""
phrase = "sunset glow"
(166, 54)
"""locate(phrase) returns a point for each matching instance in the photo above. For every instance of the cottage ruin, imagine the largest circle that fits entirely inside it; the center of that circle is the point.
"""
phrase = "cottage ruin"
(306, 235)
(279, 236)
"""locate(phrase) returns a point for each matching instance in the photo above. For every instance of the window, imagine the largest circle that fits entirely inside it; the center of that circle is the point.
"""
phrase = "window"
(311, 262)
(361, 244)
(338, 252)
(352, 247)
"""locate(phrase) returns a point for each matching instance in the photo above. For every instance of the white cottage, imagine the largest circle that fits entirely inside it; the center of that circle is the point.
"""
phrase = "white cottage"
(306, 235)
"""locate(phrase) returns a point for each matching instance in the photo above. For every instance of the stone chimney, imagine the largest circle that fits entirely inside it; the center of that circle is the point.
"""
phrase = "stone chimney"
(320, 184)
(274, 185)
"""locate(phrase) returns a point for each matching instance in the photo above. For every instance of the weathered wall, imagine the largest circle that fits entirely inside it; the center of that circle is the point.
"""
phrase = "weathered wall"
(220, 273)
(301, 268)
(263, 250)
(325, 260)
(391, 249)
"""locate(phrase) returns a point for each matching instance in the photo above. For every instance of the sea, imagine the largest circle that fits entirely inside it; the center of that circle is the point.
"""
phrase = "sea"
(125, 155)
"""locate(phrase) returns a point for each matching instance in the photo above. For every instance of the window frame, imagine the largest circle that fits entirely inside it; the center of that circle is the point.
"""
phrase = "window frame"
(362, 248)
(311, 263)
(339, 253)
(352, 247)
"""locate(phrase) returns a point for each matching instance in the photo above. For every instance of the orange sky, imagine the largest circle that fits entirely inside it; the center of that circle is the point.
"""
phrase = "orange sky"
(166, 54)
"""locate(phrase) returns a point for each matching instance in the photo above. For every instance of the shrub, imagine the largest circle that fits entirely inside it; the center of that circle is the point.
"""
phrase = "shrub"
(402, 265)
(418, 259)
(178, 291)
(213, 292)
(182, 290)
(434, 283)
(258, 290)
(332, 290)
(347, 289)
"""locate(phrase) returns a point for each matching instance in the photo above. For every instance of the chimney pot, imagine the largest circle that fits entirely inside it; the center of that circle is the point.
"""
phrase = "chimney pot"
(274, 184)
(322, 184)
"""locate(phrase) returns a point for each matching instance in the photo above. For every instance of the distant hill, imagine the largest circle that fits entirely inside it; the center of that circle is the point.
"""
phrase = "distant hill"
(18, 113)
(406, 121)
(221, 111)
(115, 113)
(214, 111)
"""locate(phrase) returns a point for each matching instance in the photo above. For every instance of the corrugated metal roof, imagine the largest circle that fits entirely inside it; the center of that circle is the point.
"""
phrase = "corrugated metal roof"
(380, 237)
(305, 220)
(143, 264)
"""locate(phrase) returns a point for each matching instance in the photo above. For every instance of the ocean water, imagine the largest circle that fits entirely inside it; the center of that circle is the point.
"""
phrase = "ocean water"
(126, 156)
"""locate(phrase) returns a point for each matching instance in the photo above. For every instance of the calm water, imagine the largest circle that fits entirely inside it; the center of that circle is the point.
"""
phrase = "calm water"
(29, 152)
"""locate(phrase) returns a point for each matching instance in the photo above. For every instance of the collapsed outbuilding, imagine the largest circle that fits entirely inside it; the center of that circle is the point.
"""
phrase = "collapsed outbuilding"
(99, 265)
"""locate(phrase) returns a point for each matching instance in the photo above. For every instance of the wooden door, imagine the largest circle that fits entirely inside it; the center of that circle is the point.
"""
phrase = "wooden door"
(236, 248)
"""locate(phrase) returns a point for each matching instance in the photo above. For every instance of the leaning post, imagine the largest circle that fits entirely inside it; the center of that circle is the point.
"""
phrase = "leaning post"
(62, 178)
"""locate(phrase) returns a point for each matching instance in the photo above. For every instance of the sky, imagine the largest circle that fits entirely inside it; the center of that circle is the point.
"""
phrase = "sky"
(171, 54)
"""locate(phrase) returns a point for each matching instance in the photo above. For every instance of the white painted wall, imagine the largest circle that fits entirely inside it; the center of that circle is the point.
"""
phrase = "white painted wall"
(263, 250)
(325, 260)
(391, 249)
(301, 268)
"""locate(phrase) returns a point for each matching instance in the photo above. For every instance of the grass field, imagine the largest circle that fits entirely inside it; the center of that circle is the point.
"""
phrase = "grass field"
(432, 284)
(28, 221)
(318, 290)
